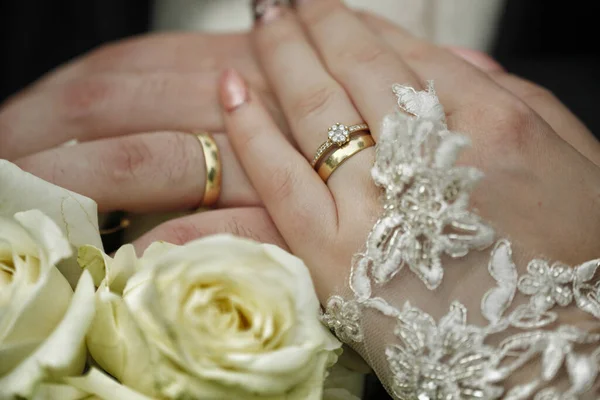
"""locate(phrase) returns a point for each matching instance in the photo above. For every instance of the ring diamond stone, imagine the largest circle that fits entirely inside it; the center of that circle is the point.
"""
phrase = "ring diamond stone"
(339, 134)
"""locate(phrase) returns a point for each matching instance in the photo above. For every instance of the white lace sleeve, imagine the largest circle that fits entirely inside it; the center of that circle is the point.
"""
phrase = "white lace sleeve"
(534, 334)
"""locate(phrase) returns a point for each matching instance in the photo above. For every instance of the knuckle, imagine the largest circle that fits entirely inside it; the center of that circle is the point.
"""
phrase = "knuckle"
(159, 158)
(178, 231)
(517, 115)
(513, 124)
(128, 160)
(315, 102)
(82, 97)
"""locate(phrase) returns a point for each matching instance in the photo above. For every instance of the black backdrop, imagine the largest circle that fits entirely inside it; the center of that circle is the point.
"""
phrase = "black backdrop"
(554, 43)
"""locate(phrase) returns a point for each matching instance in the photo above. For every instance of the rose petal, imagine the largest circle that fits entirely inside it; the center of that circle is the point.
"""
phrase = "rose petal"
(46, 234)
(62, 354)
(117, 345)
(157, 249)
(269, 282)
(14, 238)
(56, 391)
(97, 383)
(75, 215)
(31, 317)
(117, 270)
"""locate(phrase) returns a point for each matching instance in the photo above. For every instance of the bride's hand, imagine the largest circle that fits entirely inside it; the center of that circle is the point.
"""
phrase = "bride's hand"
(542, 181)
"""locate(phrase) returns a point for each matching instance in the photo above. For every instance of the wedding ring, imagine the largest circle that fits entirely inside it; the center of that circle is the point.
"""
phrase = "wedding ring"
(212, 160)
(339, 156)
(338, 135)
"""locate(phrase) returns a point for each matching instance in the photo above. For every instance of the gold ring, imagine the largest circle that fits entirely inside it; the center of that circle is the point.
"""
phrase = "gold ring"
(339, 156)
(337, 134)
(212, 159)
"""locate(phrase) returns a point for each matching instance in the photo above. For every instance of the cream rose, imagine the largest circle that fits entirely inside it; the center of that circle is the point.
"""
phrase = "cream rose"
(42, 323)
(94, 385)
(75, 215)
(220, 317)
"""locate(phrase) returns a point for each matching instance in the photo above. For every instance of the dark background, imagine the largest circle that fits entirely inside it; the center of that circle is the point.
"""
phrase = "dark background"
(553, 43)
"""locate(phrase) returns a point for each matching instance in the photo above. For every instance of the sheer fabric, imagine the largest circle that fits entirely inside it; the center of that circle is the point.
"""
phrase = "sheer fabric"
(438, 306)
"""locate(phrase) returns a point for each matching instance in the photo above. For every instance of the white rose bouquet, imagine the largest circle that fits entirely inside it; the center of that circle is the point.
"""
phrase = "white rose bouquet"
(218, 318)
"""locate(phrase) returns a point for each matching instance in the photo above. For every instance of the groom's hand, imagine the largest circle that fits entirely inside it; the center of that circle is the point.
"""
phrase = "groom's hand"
(131, 105)
(149, 83)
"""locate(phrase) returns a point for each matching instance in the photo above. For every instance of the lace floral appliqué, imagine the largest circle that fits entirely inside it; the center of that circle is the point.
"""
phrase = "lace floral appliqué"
(425, 200)
(343, 317)
(443, 361)
(453, 360)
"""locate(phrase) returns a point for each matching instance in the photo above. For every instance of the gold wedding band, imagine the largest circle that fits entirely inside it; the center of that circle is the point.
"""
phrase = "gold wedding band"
(339, 156)
(212, 160)
(337, 135)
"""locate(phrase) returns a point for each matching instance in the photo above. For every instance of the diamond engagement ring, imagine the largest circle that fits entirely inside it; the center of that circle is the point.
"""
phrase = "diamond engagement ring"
(337, 135)
(340, 155)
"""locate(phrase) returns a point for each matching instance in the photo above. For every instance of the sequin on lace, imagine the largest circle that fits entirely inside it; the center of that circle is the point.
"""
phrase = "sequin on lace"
(426, 199)
(425, 216)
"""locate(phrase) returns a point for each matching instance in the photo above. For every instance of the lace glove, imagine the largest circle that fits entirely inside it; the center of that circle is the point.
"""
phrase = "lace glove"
(410, 208)
(530, 328)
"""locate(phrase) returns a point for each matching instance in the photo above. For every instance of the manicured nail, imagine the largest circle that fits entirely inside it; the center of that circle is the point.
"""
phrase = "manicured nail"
(266, 10)
(234, 91)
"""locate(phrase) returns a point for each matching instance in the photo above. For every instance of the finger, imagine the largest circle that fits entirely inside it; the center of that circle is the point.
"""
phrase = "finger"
(459, 85)
(186, 53)
(192, 54)
(106, 106)
(541, 100)
(478, 59)
(310, 98)
(357, 58)
(252, 223)
(296, 198)
(554, 112)
(142, 173)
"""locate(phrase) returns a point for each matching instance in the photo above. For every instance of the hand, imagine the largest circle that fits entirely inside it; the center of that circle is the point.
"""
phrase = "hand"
(131, 106)
(520, 136)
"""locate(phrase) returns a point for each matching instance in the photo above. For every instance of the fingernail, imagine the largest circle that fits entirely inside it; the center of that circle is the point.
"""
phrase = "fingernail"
(478, 59)
(266, 10)
(234, 91)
